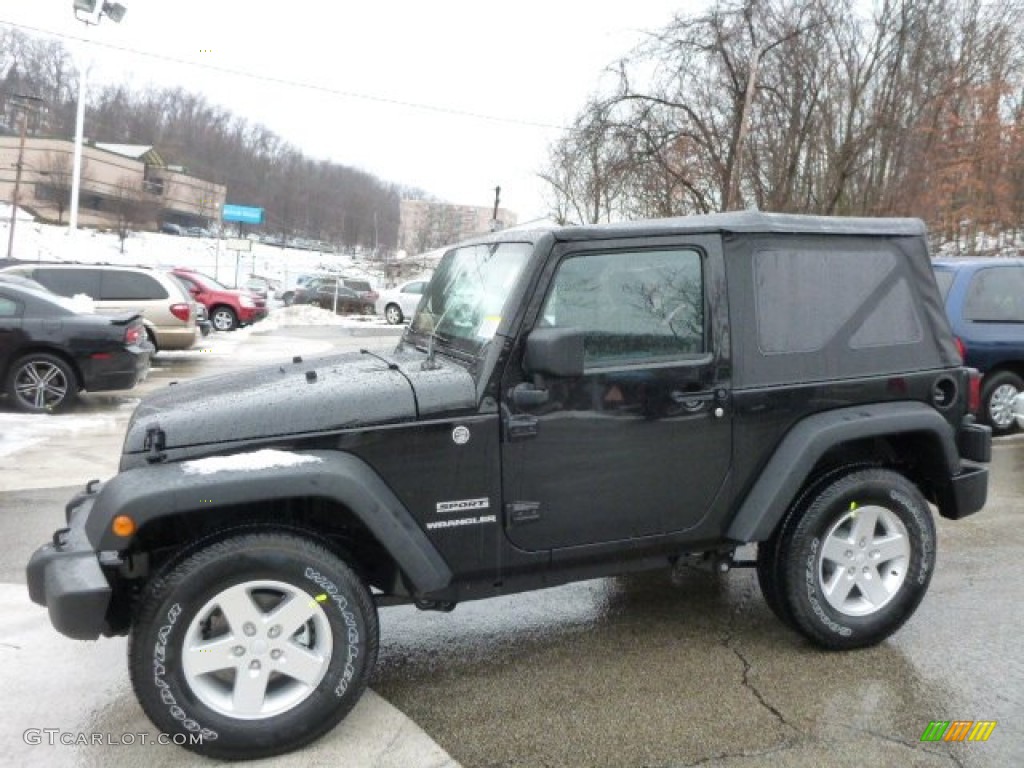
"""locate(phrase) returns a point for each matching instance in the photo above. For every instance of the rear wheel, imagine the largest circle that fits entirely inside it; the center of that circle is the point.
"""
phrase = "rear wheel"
(41, 383)
(259, 644)
(853, 561)
(997, 401)
(393, 314)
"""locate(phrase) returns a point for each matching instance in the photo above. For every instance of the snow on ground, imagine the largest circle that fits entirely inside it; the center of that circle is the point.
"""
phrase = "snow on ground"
(44, 242)
(19, 431)
(305, 314)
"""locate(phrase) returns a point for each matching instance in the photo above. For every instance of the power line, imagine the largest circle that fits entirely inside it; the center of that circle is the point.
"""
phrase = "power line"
(292, 83)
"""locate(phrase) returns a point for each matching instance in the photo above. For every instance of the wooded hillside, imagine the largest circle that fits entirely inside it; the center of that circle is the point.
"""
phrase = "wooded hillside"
(809, 106)
(302, 197)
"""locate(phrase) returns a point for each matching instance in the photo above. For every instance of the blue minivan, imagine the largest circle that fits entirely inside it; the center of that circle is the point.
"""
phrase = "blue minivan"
(984, 301)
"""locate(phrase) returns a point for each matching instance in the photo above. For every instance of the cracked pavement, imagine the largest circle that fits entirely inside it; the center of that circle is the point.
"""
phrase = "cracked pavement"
(637, 672)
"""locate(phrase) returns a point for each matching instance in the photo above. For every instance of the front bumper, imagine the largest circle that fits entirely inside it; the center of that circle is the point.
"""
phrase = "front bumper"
(65, 576)
(248, 316)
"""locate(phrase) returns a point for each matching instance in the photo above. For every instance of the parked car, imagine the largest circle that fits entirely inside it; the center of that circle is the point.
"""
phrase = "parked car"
(321, 292)
(984, 300)
(361, 287)
(170, 228)
(49, 351)
(229, 308)
(167, 311)
(261, 286)
(398, 304)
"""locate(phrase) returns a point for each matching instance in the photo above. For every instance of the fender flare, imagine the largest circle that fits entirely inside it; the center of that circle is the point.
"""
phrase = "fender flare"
(807, 442)
(161, 490)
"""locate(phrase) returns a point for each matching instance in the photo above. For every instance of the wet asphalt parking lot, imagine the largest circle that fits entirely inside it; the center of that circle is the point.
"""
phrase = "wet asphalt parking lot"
(631, 671)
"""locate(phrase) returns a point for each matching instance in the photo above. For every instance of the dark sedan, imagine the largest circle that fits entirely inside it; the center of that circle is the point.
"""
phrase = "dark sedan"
(49, 351)
(321, 292)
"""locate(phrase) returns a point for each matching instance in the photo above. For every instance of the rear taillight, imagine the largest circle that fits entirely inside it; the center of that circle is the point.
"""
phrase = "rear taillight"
(133, 335)
(973, 391)
(961, 348)
(181, 311)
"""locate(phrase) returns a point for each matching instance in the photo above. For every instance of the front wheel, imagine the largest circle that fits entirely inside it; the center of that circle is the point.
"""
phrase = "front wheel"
(854, 561)
(224, 319)
(255, 645)
(393, 314)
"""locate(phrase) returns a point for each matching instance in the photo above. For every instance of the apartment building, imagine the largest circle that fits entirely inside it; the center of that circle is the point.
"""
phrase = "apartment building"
(428, 224)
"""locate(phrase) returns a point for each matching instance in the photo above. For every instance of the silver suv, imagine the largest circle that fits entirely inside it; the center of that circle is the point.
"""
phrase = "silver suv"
(167, 312)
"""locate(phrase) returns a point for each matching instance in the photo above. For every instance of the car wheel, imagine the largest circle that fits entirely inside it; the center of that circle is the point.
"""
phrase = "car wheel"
(224, 319)
(997, 401)
(41, 383)
(393, 314)
(257, 644)
(855, 560)
(288, 298)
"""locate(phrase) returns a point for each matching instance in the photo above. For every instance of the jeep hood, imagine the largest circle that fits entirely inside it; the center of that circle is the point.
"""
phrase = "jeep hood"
(354, 389)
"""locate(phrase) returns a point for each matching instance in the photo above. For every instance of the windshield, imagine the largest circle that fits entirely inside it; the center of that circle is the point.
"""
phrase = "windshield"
(464, 302)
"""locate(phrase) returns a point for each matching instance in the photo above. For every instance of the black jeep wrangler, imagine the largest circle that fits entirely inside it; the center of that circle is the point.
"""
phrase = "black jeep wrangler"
(566, 404)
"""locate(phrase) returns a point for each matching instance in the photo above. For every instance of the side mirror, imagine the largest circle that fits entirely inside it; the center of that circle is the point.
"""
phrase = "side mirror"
(555, 352)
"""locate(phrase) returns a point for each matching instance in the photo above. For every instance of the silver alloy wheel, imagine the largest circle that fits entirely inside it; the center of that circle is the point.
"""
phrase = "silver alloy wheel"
(1000, 405)
(257, 649)
(223, 320)
(41, 384)
(393, 314)
(864, 560)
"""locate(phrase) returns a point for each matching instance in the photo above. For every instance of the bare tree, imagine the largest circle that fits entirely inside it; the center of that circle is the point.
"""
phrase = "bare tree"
(132, 208)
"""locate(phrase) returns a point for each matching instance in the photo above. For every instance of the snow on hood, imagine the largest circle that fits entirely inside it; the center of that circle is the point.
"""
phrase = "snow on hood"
(247, 462)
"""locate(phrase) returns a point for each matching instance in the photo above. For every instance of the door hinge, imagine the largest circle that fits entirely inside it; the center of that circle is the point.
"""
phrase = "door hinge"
(154, 444)
(520, 427)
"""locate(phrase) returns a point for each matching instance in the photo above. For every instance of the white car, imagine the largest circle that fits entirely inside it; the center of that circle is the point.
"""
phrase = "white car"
(399, 304)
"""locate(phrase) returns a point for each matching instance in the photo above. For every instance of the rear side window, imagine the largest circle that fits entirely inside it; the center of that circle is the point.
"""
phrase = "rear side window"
(71, 281)
(130, 286)
(996, 295)
(357, 285)
(9, 307)
(416, 288)
(809, 300)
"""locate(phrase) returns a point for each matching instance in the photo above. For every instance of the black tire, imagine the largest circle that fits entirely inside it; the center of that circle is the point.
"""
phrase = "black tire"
(251, 576)
(223, 318)
(769, 562)
(870, 533)
(997, 401)
(393, 314)
(288, 298)
(41, 383)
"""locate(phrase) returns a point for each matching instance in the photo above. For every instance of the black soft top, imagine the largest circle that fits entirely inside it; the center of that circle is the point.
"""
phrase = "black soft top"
(741, 222)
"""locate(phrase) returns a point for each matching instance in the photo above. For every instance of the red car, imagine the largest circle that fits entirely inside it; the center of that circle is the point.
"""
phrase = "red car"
(229, 308)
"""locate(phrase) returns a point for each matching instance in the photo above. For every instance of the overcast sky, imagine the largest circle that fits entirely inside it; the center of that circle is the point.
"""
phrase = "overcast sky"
(530, 64)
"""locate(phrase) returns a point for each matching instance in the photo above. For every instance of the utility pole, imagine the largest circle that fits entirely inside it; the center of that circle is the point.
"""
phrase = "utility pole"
(497, 202)
(23, 107)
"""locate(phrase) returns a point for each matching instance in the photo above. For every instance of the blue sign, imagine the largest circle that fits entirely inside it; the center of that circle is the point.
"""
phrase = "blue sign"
(242, 213)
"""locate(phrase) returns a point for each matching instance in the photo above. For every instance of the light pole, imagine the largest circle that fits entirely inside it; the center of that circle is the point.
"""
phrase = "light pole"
(89, 12)
(24, 107)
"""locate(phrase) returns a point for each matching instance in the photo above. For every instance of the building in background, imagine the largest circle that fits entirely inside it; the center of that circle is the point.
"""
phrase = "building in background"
(428, 224)
(120, 183)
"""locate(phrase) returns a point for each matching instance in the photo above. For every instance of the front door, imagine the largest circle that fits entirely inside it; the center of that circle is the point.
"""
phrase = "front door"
(641, 442)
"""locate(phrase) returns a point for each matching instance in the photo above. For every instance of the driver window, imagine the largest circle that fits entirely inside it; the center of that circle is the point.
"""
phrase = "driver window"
(633, 307)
